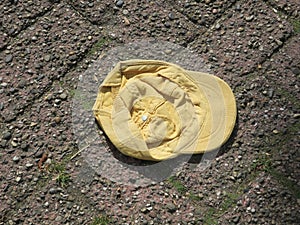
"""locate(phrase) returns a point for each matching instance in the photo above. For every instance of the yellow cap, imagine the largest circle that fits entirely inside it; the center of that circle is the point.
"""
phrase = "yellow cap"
(154, 110)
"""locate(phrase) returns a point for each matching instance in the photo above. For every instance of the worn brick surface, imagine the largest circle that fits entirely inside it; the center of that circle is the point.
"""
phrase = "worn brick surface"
(97, 12)
(247, 35)
(19, 14)
(41, 54)
(292, 7)
(284, 67)
(203, 13)
(264, 187)
(39, 130)
(138, 20)
(45, 49)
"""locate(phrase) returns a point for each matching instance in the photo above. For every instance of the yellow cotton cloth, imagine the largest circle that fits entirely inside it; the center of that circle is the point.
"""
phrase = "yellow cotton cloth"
(154, 110)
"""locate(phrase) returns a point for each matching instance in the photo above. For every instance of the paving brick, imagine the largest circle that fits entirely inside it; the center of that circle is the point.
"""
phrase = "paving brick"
(267, 188)
(291, 7)
(17, 15)
(45, 123)
(281, 74)
(272, 93)
(23, 129)
(40, 58)
(44, 127)
(158, 20)
(285, 65)
(42, 53)
(203, 13)
(138, 20)
(247, 35)
(98, 12)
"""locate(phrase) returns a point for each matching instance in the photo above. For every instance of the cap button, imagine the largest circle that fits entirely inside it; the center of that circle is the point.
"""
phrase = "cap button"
(144, 117)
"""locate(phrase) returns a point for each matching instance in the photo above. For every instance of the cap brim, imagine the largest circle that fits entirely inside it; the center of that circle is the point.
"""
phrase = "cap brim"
(220, 120)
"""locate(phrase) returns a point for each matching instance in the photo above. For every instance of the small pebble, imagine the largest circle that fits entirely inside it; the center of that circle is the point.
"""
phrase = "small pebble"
(296, 116)
(8, 58)
(168, 51)
(16, 159)
(47, 58)
(167, 25)
(57, 119)
(53, 191)
(4, 84)
(171, 16)
(278, 42)
(144, 210)
(126, 21)
(6, 135)
(236, 219)
(249, 18)
(29, 165)
(171, 207)
(24, 146)
(14, 144)
(295, 70)
(63, 96)
(271, 93)
(120, 3)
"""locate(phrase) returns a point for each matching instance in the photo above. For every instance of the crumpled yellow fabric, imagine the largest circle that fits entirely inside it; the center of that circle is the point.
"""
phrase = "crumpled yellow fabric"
(154, 110)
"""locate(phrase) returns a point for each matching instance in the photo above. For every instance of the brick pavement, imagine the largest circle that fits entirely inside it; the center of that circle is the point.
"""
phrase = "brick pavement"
(46, 45)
